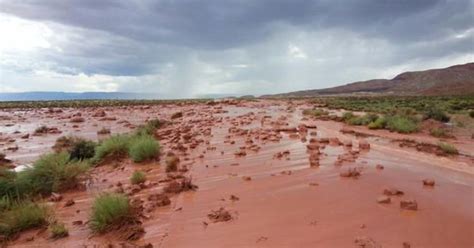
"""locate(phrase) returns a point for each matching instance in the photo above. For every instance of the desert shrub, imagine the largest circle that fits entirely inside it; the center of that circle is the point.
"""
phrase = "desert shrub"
(109, 210)
(177, 115)
(138, 177)
(436, 114)
(379, 123)
(401, 124)
(439, 132)
(22, 216)
(362, 120)
(103, 131)
(315, 112)
(149, 128)
(143, 147)
(448, 148)
(58, 230)
(471, 113)
(347, 116)
(172, 163)
(115, 146)
(51, 173)
(41, 130)
(82, 149)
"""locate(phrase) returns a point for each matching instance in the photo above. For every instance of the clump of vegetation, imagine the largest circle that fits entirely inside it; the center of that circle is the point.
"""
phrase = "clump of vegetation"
(113, 147)
(440, 133)
(177, 115)
(143, 147)
(379, 123)
(22, 216)
(436, 114)
(58, 230)
(172, 163)
(149, 128)
(315, 112)
(82, 149)
(448, 148)
(41, 130)
(360, 120)
(138, 177)
(78, 148)
(401, 124)
(110, 210)
(53, 172)
(471, 113)
(103, 131)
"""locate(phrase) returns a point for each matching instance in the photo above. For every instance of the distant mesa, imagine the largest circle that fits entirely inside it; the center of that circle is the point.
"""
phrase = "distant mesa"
(454, 80)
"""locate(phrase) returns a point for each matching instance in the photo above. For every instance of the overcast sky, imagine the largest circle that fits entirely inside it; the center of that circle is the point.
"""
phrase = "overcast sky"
(181, 48)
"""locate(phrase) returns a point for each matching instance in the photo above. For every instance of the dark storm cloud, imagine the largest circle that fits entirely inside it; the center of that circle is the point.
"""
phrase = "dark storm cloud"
(133, 38)
(216, 24)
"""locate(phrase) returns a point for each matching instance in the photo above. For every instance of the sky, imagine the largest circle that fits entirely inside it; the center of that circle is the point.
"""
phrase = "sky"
(190, 48)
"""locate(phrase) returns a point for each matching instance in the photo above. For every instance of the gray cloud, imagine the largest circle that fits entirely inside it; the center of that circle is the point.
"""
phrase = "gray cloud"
(189, 47)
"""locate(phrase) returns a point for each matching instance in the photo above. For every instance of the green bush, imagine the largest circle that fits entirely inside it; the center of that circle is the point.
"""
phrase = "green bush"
(346, 116)
(448, 148)
(138, 177)
(142, 148)
(379, 123)
(439, 132)
(362, 120)
(149, 128)
(82, 149)
(22, 216)
(315, 112)
(109, 210)
(51, 173)
(471, 113)
(436, 114)
(115, 147)
(58, 230)
(401, 124)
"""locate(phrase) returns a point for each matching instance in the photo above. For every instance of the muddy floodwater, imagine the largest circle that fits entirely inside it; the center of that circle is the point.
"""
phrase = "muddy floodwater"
(286, 180)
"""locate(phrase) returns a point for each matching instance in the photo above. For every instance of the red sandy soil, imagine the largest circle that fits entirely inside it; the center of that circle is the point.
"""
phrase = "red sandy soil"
(253, 159)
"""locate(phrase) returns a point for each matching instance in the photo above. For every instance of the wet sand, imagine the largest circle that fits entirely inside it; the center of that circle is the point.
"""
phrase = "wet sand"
(287, 202)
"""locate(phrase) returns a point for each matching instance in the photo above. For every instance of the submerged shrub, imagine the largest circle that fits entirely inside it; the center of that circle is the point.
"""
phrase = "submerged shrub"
(109, 210)
(361, 120)
(138, 177)
(142, 148)
(471, 113)
(22, 216)
(401, 124)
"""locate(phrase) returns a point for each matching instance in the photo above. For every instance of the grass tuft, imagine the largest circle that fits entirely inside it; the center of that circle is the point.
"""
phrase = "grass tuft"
(143, 147)
(448, 148)
(114, 147)
(109, 210)
(138, 177)
(22, 216)
(401, 124)
(58, 230)
(51, 173)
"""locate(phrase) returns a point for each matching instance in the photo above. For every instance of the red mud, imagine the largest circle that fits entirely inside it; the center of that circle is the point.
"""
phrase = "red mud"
(295, 196)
